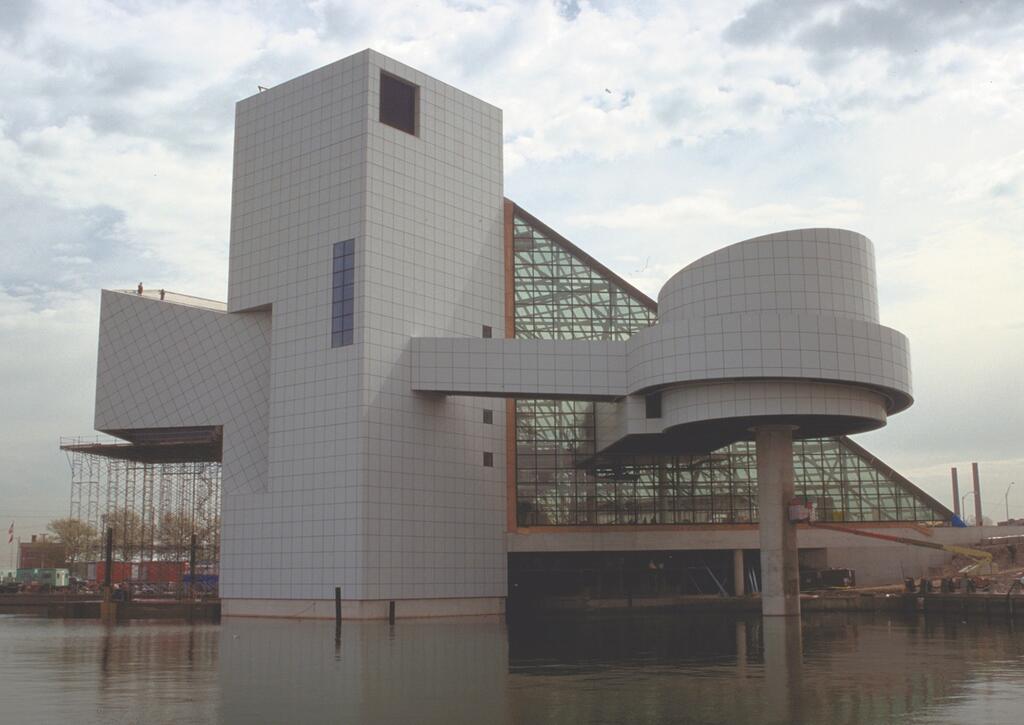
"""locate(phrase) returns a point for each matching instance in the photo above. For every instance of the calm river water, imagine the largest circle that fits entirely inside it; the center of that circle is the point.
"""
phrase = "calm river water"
(637, 668)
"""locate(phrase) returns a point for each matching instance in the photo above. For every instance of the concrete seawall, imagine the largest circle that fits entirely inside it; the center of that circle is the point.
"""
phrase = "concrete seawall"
(72, 606)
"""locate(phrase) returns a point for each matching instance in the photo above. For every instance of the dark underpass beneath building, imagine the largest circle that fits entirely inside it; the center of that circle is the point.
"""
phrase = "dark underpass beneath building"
(543, 579)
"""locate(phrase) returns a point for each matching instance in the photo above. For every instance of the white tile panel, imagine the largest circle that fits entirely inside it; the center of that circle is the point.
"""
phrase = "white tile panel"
(162, 364)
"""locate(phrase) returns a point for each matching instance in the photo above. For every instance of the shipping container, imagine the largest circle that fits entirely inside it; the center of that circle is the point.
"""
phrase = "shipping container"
(55, 578)
(148, 572)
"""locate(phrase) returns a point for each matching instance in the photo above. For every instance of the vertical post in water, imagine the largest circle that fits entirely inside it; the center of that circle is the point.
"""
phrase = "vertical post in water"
(337, 619)
(391, 611)
(108, 557)
(780, 571)
(191, 565)
(108, 607)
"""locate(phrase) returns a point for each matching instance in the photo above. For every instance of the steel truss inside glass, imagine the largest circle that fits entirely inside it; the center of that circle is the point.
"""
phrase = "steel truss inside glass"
(559, 295)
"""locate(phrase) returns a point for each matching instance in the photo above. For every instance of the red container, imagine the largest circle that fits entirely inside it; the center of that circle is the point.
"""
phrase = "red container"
(149, 572)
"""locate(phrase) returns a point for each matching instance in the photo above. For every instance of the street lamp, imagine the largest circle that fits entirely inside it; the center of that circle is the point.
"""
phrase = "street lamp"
(963, 509)
(1006, 500)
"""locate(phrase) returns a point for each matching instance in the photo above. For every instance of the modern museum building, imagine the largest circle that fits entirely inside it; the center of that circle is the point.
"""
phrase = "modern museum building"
(422, 394)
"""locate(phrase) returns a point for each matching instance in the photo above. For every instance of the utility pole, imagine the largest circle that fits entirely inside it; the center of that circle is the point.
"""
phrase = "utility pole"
(1006, 500)
(964, 498)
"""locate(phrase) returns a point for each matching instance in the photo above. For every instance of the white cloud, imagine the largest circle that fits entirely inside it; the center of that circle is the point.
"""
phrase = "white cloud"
(715, 207)
(656, 127)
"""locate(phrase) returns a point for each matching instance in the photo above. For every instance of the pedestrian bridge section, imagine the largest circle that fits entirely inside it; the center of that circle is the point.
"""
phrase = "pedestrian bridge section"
(781, 327)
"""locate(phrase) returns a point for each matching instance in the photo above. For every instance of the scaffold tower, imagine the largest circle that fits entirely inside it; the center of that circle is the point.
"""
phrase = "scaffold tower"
(155, 497)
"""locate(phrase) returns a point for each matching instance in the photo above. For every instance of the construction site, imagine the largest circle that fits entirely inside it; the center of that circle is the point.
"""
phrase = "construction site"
(154, 506)
(160, 502)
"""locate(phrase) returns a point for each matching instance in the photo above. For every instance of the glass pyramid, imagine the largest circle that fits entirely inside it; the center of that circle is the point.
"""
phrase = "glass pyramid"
(562, 293)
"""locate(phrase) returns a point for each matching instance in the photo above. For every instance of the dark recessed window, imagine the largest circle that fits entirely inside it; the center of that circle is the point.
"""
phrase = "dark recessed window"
(488, 415)
(343, 296)
(488, 459)
(652, 403)
(399, 103)
(488, 332)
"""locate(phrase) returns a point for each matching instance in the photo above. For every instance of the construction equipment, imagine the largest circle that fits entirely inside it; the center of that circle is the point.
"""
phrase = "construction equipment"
(979, 557)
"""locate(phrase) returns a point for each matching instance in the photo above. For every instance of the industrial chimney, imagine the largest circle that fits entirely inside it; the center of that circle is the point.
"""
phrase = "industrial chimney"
(956, 494)
(977, 494)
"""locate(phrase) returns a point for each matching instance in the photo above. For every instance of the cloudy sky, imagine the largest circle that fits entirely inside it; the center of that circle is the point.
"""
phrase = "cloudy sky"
(649, 133)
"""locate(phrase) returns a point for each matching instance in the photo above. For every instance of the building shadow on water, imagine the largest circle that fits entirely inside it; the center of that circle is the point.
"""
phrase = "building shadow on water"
(632, 667)
(670, 666)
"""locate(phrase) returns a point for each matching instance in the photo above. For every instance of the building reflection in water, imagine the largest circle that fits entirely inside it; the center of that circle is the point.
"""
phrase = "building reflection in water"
(671, 666)
(650, 667)
(783, 668)
(416, 671)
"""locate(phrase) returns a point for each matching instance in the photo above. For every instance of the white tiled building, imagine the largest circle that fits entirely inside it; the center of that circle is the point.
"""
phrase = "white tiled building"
(365, 445)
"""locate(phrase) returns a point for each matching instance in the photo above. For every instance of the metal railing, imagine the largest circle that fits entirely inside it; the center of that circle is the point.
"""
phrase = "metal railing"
(176, 298)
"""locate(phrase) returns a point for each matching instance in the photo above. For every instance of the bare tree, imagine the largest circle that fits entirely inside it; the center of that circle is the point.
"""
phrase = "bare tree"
(127, 526)
(174, 531)
(77, 537)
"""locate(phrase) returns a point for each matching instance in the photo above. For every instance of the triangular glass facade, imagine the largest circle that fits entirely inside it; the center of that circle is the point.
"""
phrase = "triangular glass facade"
(559, 296)
(561, 293)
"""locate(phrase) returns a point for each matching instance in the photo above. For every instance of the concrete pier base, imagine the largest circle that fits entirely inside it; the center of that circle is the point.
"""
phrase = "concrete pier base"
(780, 568)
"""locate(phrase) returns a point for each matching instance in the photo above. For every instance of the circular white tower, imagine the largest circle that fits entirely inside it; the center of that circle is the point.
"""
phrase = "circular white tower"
(769, 339)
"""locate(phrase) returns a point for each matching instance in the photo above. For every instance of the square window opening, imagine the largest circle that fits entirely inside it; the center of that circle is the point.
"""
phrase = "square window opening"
(488, 459)
(488, 332)
(488, 416)
(399, 103)
(652, 405)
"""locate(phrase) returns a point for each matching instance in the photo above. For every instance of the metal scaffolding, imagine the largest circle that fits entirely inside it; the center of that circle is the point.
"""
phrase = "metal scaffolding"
(155, 497)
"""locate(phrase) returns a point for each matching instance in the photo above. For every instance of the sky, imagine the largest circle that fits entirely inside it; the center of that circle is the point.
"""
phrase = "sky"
(648, 133)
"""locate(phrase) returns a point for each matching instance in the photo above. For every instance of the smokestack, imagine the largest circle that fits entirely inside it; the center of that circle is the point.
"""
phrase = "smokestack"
(956, 493)
(977, 494)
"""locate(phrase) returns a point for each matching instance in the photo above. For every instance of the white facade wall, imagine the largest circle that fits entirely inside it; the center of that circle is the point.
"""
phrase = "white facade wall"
(830, 272)
(434, 266)
(371, 487)
(166, 365)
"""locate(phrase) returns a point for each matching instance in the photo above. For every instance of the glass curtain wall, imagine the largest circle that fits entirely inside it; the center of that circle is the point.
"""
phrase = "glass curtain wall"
(560, 295)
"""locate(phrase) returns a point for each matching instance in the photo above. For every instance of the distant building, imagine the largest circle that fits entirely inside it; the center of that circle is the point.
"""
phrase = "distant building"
(41, 552)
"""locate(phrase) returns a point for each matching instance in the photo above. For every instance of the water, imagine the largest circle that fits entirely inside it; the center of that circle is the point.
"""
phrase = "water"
(635, 668)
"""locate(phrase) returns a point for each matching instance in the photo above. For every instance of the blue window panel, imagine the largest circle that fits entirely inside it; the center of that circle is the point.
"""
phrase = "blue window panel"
(341, 309)
(343, 293)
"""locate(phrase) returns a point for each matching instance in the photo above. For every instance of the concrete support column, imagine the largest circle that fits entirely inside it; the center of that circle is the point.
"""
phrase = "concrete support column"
(780, 568)
(739, 573)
